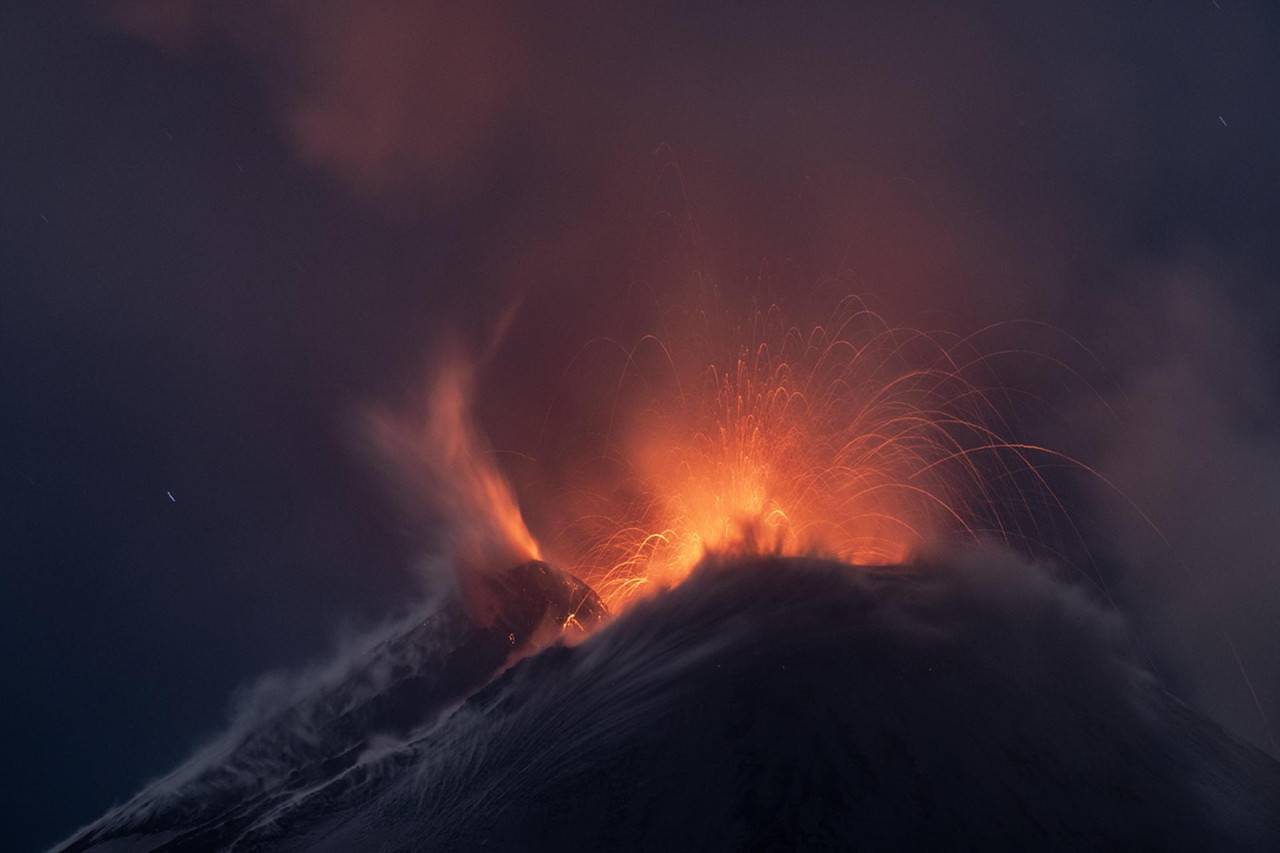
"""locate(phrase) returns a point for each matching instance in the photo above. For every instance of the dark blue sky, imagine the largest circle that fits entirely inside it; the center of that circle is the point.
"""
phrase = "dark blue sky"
(224, 231)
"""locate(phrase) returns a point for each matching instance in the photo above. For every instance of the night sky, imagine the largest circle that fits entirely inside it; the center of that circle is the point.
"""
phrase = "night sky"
(228, 229)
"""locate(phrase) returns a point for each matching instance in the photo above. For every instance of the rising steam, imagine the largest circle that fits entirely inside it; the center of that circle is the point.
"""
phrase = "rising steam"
(446, 472)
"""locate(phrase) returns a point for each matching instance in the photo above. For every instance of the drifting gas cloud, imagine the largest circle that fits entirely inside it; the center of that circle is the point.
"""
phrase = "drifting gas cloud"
(946, 174)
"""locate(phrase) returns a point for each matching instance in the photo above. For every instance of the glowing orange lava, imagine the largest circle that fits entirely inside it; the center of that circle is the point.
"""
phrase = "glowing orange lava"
(852, 439)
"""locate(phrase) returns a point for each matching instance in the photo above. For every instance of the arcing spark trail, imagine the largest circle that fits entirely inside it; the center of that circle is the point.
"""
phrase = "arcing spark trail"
(851, 439)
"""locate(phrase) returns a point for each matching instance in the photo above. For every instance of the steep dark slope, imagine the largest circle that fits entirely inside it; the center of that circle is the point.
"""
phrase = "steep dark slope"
(371, 700)
(798, 704)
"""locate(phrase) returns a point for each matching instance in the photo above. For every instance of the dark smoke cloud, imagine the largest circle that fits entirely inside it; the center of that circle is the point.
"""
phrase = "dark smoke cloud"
(392, 98)
(417, 105)
(1194, 449)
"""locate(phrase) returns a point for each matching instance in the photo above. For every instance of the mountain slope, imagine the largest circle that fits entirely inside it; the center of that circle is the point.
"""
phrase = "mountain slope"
(795, 704)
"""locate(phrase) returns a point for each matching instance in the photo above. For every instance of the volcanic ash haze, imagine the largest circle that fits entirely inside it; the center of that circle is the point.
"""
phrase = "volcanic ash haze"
(966, 701)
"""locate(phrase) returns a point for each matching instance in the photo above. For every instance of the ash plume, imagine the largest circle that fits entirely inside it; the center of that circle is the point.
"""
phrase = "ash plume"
(385, 97)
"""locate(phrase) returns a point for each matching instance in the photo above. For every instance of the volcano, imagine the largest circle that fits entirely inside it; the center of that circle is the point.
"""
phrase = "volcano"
(407, 680)
(967, 701)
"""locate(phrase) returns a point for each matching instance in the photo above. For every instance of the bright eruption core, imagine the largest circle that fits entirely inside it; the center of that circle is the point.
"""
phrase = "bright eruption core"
(850, 439)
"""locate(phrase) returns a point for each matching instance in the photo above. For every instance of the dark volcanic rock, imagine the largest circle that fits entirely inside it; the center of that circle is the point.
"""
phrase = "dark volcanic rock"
(397, 687)
(783, 704)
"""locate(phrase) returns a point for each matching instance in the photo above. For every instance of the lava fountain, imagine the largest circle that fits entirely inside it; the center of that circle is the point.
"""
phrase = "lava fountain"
(851, 439)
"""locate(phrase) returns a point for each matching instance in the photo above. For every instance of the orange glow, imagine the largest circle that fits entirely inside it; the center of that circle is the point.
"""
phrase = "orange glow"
(852, 439)
(450, 475)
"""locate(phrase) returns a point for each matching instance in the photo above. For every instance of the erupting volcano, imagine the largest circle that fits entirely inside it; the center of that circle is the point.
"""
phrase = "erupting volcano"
(749, 435)
(759, 641)
(478, 425)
